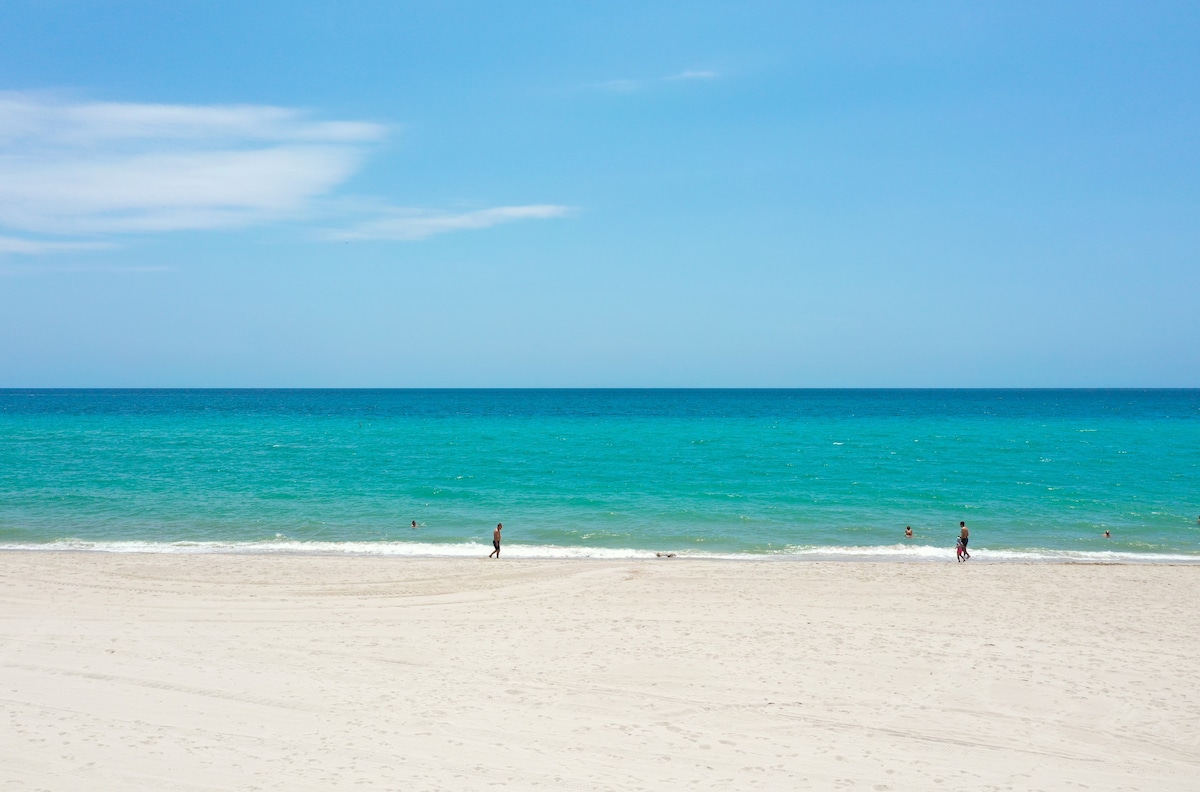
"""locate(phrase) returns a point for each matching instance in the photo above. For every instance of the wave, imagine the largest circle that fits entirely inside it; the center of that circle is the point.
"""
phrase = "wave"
(881, 553)
(1020, 555)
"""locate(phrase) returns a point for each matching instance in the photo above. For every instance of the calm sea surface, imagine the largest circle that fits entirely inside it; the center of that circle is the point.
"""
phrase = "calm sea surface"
(785, 473)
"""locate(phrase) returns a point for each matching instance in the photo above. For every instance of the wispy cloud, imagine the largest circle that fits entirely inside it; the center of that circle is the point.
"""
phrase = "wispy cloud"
(409, 224)
(76, 175)
(32, 118)
(629, 86)
(35, 247)
(102, 168)
(694, 74)
(44, 269)
(621, 86)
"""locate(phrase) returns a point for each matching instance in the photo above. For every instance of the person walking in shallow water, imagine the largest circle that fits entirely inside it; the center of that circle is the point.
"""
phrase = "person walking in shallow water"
(496, 541)
(964, 534)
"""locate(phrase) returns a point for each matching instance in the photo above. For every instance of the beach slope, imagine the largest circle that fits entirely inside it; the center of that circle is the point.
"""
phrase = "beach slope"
(206, 672)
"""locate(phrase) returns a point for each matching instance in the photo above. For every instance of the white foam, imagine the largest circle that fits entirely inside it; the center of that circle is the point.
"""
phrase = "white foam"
(899, 552)
(931, 553)
(292, 547)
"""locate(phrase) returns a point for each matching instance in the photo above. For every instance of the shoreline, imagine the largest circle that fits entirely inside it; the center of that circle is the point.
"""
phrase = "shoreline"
(897, 553)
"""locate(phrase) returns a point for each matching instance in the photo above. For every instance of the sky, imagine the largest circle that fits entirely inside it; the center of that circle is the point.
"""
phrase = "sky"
(558, 194)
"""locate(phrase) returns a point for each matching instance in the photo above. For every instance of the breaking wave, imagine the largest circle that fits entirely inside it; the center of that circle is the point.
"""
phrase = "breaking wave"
(879, 553)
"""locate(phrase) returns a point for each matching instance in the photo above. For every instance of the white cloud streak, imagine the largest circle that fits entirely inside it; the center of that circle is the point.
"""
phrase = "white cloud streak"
(621, 86)
(410, 224)
(101, 169)
(111, 168)
(697, 74)
(43, 269)
(25, 117)
(629, 86)
(37, 247)
(166, 191)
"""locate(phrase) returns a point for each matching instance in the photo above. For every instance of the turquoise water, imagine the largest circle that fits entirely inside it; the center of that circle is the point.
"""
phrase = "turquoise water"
(787, 473)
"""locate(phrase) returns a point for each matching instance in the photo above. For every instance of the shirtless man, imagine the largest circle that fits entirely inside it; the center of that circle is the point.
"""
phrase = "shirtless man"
(496, 540)
(963, 535)
(908, 531)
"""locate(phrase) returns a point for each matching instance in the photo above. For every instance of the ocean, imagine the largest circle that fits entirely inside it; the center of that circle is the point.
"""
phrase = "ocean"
(754, 474)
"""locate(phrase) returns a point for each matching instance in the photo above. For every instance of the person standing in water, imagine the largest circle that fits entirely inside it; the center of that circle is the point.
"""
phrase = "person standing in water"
(414, 525)
(964, 534)
(496, 540)
(908, 531)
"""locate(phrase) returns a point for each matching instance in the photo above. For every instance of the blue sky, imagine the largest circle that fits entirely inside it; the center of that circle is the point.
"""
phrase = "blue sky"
(560, 194)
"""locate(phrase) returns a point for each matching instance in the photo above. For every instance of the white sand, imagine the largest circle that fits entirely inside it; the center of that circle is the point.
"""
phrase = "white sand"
(250, 672)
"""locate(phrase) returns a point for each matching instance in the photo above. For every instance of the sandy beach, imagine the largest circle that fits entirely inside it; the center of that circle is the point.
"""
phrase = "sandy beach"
(295, 672)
